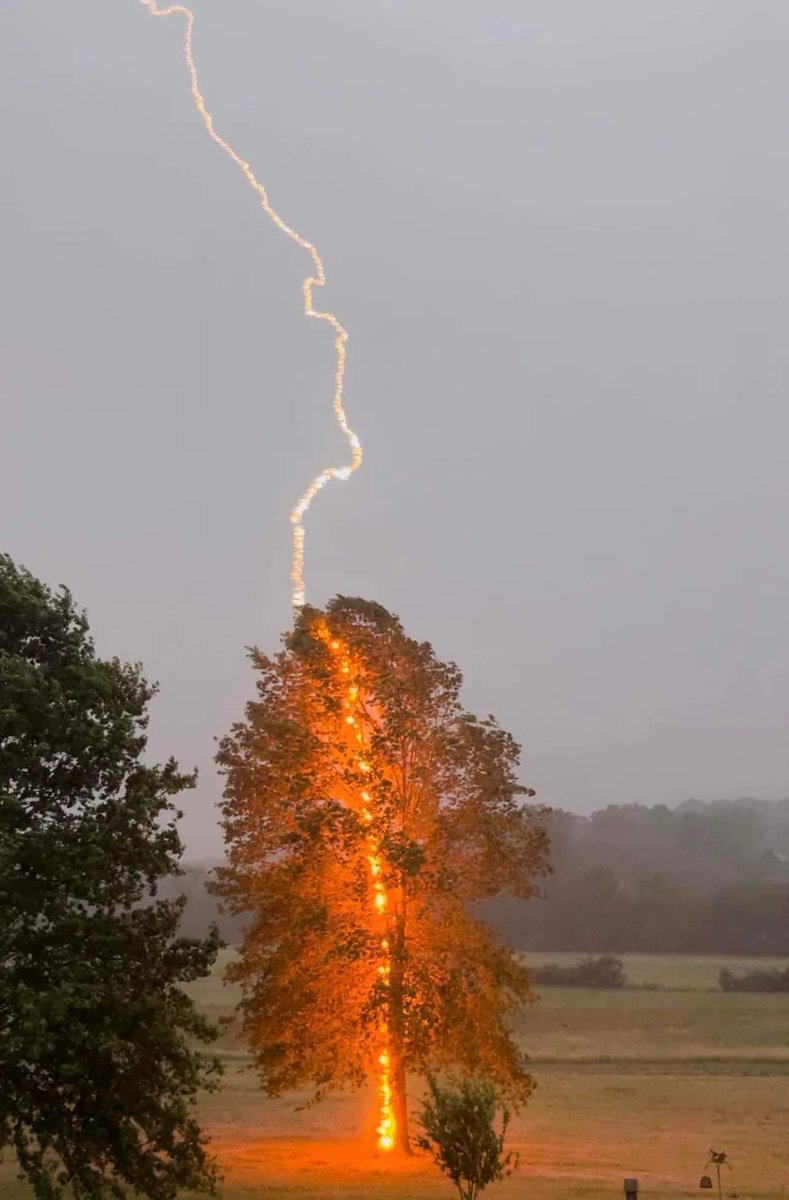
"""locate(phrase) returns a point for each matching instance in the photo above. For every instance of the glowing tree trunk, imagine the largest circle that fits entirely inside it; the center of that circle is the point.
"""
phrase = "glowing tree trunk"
(360, 720)
(397, 1038)
(357, 713)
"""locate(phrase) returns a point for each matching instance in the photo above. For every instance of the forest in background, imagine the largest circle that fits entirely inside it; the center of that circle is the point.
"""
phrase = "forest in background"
(702, 878)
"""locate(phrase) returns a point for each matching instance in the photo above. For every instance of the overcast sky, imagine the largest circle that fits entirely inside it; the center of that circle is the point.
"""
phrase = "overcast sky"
(558, 233)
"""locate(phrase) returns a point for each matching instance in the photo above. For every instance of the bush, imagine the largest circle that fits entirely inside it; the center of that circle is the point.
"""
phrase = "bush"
(755, 981)
(603, 972)
(460, 1132)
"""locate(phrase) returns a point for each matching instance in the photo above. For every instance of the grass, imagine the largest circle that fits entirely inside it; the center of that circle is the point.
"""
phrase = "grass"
(633, 1082)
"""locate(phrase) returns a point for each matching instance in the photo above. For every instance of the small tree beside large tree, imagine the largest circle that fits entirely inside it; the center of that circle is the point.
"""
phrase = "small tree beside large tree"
(99, 1057)
(459, 1131)
(366, 815)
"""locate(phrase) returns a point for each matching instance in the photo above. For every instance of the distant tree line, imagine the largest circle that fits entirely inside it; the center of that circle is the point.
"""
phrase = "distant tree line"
(699, 879)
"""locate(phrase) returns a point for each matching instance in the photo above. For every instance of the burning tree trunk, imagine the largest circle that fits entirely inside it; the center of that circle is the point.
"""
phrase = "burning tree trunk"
(397, 1031)
(400, 1103)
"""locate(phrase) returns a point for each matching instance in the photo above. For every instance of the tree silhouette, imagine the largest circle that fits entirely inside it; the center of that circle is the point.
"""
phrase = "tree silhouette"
(101, 1062)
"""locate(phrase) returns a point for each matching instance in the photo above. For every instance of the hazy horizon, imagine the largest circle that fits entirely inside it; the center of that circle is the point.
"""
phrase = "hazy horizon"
(558, 238)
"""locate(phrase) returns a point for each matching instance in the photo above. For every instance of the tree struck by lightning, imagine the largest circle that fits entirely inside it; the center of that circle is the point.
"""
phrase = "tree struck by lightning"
(366, 815)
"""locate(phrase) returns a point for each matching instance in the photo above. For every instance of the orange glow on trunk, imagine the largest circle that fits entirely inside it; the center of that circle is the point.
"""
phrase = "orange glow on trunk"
(387, 1127)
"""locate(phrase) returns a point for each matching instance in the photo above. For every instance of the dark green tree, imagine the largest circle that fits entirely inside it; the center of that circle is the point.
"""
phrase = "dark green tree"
(98, 1065)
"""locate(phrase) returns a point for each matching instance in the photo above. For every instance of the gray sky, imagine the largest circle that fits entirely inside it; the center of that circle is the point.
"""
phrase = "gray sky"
(558, 232)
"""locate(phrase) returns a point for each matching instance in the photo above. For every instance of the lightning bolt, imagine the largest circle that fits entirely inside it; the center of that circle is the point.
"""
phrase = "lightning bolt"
(315, 280)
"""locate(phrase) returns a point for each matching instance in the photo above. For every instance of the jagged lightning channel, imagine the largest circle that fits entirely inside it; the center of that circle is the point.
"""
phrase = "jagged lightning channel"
(317, 279)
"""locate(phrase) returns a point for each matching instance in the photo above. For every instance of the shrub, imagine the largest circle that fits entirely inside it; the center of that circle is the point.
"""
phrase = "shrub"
(459, 1127)
(603, 972)
(755, 981)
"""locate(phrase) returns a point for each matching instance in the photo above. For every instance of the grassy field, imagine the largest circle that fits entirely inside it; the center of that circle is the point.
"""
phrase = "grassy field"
(638, 1082)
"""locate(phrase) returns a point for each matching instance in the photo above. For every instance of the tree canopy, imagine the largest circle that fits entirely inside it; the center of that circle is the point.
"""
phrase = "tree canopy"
(366, 814)
(98, 1070)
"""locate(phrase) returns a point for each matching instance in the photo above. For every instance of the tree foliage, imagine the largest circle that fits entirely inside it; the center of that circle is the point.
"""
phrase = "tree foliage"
(444, 812)
(97, 1067)
(459, 1130)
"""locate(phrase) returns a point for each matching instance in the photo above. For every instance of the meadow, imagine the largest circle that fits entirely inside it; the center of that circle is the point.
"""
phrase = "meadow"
(643, 1081)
